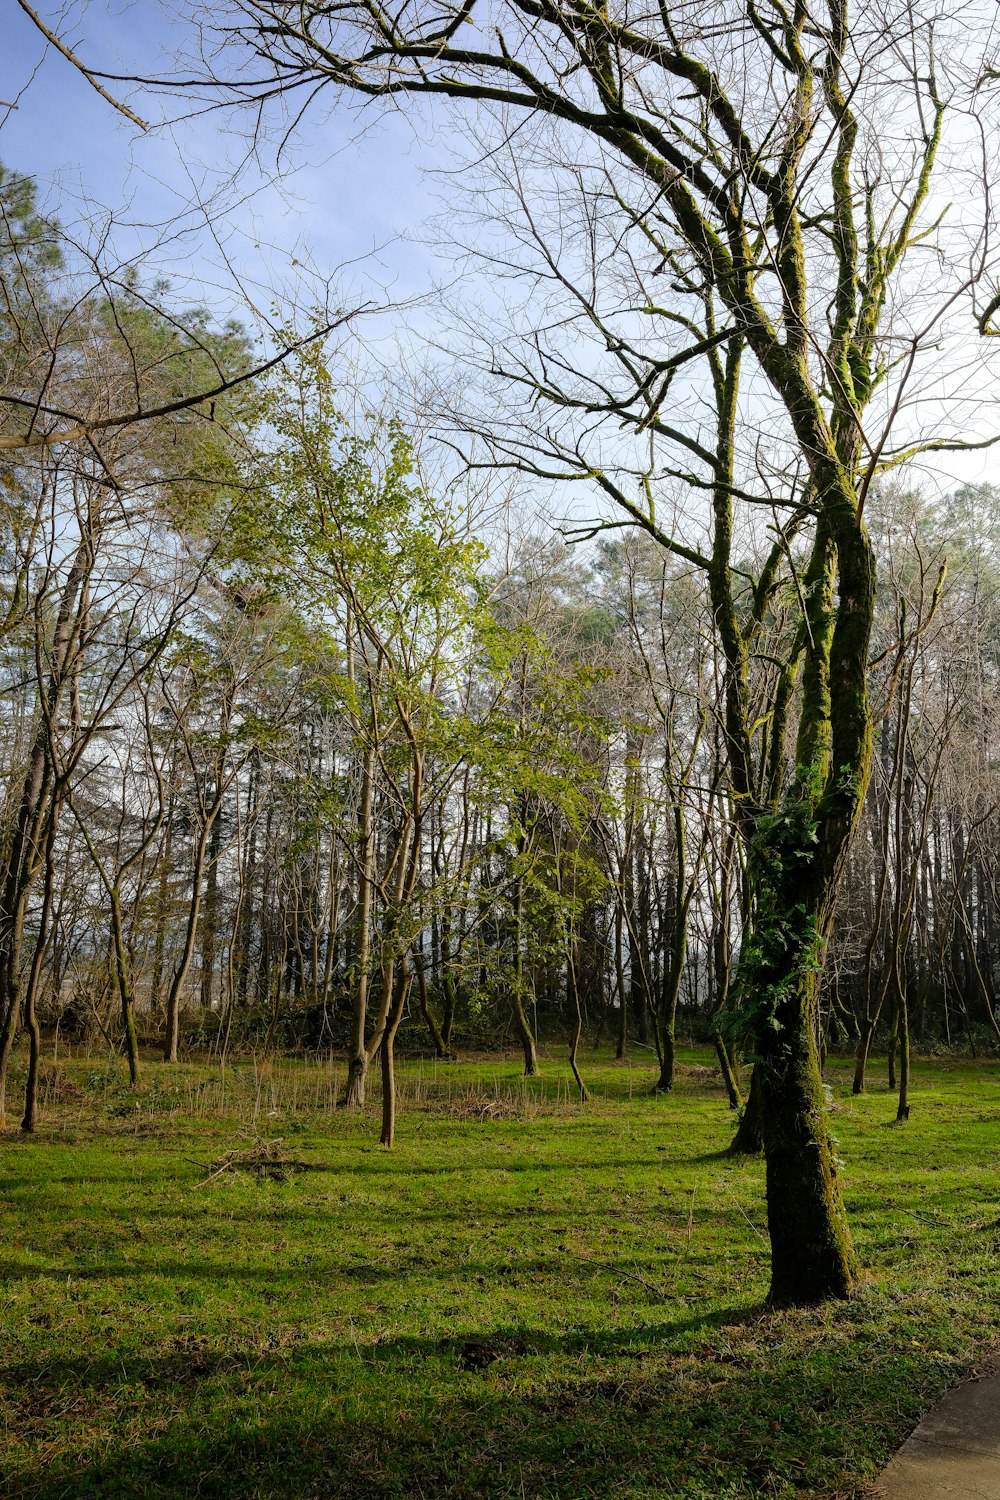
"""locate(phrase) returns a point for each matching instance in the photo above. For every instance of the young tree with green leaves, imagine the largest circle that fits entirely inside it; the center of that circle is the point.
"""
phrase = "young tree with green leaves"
(382, 580)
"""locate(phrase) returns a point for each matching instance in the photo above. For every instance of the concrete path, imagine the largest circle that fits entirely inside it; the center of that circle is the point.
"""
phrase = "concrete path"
(954, 1452)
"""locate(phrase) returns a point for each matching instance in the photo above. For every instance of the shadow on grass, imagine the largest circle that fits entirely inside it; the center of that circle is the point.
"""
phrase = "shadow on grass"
(191, 1351)
(725, 1157)
(378, 1166)
(160, 1267)
(509, 1413)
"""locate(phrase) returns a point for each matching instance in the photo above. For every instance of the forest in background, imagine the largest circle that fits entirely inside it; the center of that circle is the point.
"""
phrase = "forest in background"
(291, 761)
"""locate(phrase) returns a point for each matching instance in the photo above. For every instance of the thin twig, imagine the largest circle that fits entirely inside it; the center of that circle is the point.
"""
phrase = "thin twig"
(633, 1276)
(60, 46)
(740, 1210)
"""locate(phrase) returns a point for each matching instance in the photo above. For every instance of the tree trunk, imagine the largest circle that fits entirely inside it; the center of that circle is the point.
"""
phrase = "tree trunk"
(163, 892)
(674, 970)
(524, 1032)
(172, 1036)
(722, 954)
(902, 1011)
(387, 1054)
(34, 802)
(621, 1041)
(357, 1062)
(124, 989)
(812, 1256)
(749, 1137)
(430, 1022)
(22, 866)
(31, 992)
(576, 1015)
(448, 999)
(729, 1075)
(521, 1026)
(861, 1057)
(210, 917)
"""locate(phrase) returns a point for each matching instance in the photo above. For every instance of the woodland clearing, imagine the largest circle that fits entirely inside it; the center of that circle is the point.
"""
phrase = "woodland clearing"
(527, 1296)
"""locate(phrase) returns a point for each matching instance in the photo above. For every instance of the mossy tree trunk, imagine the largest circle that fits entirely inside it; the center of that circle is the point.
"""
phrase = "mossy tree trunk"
(730, 1077)
(812, 1254)
(796, 861)
(749, 1137)
(861, 1057)
(667, 1028)
(525, 1036)
(685, 885)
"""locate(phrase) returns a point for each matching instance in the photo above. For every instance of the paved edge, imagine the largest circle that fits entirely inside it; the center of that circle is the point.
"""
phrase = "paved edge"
(955, 1449)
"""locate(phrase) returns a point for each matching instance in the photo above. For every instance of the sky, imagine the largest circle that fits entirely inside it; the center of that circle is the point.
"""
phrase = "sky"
(356, 197)
(354, 193)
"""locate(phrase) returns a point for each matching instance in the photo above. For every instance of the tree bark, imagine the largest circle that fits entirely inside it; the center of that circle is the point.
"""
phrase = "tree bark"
(729, 1076)
(812, 1256)
(520, 1019)
(387, 1053)
(357, 1062)
(576, 1015)
(749, 1137)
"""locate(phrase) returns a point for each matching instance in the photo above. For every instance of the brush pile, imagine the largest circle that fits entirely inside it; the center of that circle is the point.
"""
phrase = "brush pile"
(481, 1107)
(263, 1160)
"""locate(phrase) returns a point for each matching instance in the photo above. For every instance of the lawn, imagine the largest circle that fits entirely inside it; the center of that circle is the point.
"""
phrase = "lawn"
(528, 1296)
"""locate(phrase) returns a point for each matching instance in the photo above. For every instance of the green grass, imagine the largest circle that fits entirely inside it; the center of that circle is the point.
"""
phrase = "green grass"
(556, 1300)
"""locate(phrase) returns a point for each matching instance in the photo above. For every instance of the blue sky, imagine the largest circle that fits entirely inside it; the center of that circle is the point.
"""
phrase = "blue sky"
(356, 195)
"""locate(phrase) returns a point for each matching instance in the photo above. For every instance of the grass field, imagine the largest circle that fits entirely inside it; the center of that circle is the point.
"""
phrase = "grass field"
(527, 1297)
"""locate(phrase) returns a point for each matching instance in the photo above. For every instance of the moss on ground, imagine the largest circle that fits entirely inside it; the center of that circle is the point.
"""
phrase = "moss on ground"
(527, 1297)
